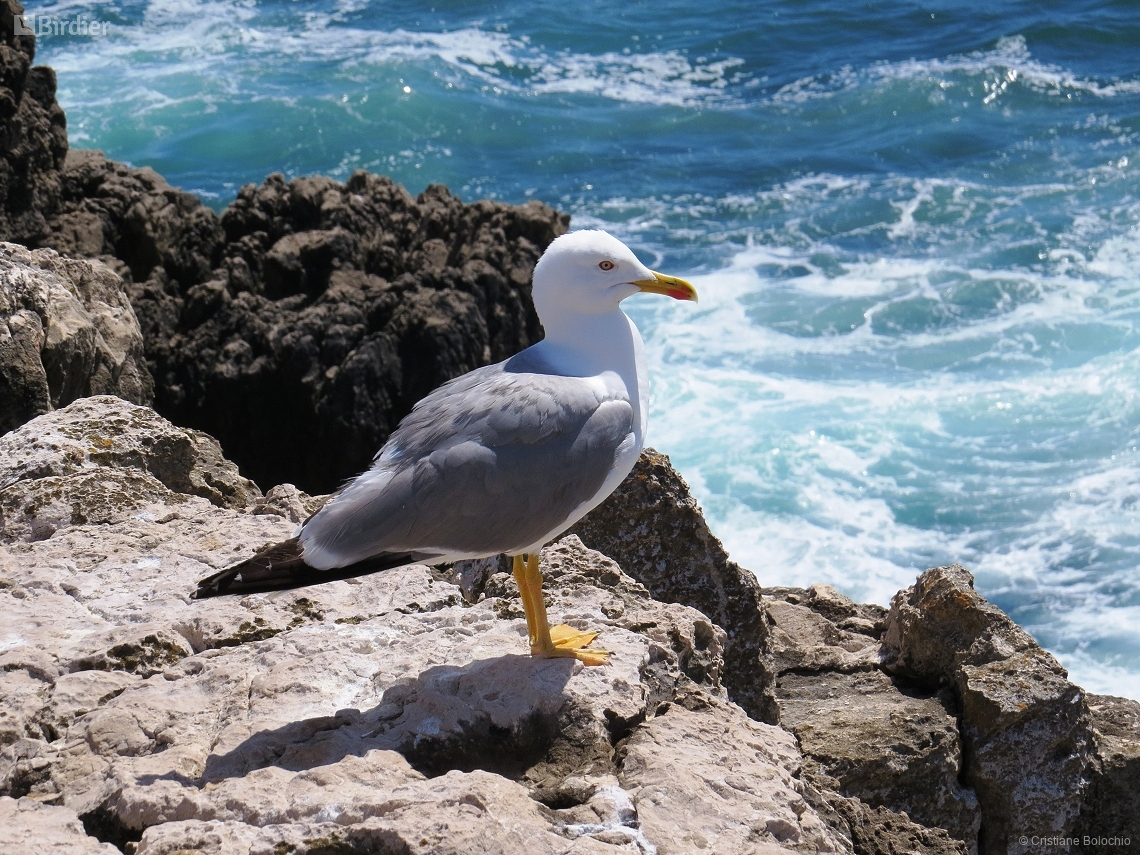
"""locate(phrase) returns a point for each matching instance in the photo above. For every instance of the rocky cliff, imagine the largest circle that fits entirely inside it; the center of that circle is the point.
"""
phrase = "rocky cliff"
(399, 712)
(33, 135)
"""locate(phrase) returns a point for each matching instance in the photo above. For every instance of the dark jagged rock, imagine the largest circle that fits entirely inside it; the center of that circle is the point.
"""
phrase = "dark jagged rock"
(136, 222)
(885, 754)
(301, 325)
(1027, 733)
(654, 529)
(67, 330)
(1112, 808)
(33, 135)
(341, 306)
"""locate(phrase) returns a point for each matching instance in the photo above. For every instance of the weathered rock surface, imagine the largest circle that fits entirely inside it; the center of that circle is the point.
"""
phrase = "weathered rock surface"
(102, 460)
(301, 325)
(946, 711)
(1026, 730)
(654, 529)
(705, 783)
(285, 500)
(804, 637)
(879, 831)
(67, 330)
(888, 745)
(135, 221)
(33, 131)
(29, 826)
(379, 714)
(1112, 808)
(888, 750)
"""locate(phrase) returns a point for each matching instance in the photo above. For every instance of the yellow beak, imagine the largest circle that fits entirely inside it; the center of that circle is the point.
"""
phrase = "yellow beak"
(670, 286)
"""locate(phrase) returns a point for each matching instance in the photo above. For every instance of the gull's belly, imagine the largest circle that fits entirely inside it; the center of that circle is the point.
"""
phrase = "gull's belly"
(624, 461)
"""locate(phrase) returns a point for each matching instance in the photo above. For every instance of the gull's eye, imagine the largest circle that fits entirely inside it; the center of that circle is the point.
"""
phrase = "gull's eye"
(606, 265)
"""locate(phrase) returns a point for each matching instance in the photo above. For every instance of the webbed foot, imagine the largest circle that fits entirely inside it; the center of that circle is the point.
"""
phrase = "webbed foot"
(570, 642)
(562, 641)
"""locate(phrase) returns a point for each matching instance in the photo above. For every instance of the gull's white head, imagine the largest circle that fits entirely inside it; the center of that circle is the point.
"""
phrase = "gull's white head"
(591, 272)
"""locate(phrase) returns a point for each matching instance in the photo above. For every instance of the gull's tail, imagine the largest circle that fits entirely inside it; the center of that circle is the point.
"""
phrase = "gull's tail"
(281, 566)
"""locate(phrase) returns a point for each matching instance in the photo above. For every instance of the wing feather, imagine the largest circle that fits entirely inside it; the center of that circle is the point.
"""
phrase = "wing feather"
(491, 462)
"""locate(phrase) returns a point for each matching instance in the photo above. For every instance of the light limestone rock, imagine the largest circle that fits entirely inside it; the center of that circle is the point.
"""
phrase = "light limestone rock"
(30, 828)
(377, 712)
(719, 783)
(804, 640)
(67, 330)
(286, 501)
(101, 460)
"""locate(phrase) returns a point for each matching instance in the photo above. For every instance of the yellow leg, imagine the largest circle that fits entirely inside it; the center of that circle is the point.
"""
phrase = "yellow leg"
(524, 591)
(559, 641)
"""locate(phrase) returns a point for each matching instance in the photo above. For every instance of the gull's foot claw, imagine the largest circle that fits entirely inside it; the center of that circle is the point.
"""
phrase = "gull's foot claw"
(570, 643)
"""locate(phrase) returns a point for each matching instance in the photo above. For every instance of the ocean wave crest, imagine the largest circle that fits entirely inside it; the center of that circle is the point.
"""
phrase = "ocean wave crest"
(1008, 64)
(180, 37)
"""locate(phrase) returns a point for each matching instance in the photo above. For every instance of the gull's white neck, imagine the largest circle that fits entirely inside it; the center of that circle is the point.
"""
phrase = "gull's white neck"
(604, 346)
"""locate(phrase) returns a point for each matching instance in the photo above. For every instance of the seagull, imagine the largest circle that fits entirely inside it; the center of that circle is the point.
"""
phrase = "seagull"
(500, 460)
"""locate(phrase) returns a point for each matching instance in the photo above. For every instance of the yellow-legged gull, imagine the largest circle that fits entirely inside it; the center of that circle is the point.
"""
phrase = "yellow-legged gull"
(502, 459)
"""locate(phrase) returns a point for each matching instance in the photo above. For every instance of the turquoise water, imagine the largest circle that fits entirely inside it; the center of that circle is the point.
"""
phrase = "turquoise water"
(915, 230)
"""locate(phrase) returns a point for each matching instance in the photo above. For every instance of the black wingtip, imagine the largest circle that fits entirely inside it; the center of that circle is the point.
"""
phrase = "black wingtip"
(281, 566)
(274, 567)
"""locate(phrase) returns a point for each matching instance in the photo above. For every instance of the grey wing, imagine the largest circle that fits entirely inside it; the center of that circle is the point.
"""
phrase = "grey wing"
(492, 462)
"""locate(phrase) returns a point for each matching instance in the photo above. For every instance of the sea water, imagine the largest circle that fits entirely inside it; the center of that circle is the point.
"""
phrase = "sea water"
(915, 229)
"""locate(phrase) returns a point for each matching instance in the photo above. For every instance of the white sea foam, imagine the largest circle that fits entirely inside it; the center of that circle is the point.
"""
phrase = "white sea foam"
(805, 481)
(1007, 65)
(180, 38)
(185, 37)
(823, 458)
